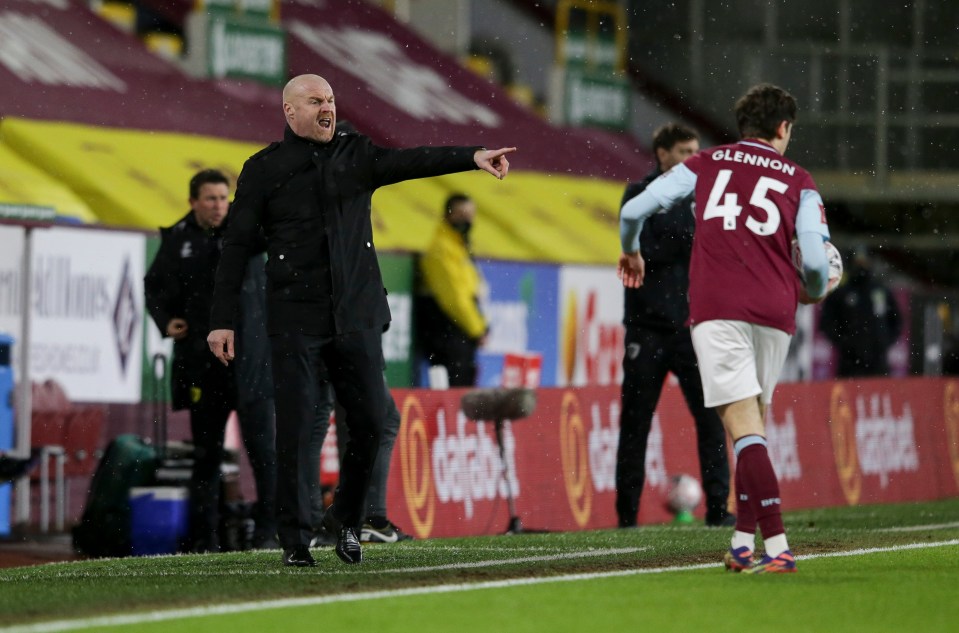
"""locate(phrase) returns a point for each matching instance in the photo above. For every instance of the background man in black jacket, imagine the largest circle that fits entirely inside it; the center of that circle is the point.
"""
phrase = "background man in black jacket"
(658, 341)
(179, 286)
(311, 194)
(861, 319)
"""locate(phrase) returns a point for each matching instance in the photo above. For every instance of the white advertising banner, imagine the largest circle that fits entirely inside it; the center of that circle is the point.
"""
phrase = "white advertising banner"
(591, 326)
(87, 313)
(11, 260)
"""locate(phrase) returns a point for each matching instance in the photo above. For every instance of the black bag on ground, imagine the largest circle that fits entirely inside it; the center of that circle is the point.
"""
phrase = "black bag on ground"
(129, 461)
(104, 528)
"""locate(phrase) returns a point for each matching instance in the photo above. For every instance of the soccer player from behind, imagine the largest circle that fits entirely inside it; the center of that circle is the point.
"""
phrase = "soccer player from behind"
(751, 202)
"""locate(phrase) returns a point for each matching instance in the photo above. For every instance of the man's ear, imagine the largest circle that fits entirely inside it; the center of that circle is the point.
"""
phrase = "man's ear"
(661, 154)
(783, 130)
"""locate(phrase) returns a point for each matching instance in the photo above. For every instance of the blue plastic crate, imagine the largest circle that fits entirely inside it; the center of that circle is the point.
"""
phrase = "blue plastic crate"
(159, 519)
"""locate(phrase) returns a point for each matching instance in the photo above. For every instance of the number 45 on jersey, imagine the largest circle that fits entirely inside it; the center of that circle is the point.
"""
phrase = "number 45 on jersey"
(726, 205)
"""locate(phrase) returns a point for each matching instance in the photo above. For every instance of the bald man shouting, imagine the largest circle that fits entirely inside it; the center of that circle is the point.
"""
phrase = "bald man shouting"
(309, 195)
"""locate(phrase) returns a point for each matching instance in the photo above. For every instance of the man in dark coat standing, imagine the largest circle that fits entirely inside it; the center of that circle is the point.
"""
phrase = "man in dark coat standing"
(861, 319)
(178, 289)
(658, 342)
(311, 195)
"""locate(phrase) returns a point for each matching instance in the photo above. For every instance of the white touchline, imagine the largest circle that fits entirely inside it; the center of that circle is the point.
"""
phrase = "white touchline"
(225, 609)
(590, 553)
(921, 528)
(510, 561)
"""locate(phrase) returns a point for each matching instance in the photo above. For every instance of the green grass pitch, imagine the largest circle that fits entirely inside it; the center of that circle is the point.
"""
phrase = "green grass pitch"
(654, 578)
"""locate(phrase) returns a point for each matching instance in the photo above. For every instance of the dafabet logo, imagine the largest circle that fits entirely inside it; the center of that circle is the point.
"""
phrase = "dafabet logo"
(951, 408)
(842, 423)
(575, 458)
(418, 485)
(447, 460)
(872, 437)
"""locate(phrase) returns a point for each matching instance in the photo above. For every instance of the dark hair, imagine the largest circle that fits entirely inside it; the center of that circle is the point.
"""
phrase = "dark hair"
(454, 200)
(666, 136)
(760, 111)
(206, 177)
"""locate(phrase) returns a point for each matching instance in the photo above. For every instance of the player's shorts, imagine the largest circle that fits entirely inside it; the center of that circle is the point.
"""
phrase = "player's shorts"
(738, 360)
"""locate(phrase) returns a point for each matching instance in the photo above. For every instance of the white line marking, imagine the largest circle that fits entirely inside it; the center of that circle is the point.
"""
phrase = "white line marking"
(510, 561)
(130, 573)
(244, 607)
(922, 528)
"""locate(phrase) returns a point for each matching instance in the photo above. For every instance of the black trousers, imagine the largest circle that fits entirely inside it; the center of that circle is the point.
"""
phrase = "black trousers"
(650, 355)
(257, 427)
(210, 406)
(442, 342)
(209, 411)
(456, 352)
(353, 364)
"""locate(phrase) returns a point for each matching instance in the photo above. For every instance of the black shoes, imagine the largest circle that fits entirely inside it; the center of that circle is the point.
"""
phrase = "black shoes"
(298, 556)
(348, 546)
(382, 530)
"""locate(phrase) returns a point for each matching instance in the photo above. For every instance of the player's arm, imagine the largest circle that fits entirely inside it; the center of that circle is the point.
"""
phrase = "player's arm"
(662, 193)
(811, 233)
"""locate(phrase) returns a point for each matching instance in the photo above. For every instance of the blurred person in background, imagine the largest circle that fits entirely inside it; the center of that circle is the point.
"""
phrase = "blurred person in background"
(658, 342)
(450, 326)
(179, 289)
(13, 468)
(861, 319)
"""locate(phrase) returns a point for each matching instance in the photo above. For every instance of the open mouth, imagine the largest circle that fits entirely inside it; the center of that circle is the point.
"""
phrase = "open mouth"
(326, 123)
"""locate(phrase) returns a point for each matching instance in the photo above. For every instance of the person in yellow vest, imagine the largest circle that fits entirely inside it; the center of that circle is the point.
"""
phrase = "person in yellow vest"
(449, 322)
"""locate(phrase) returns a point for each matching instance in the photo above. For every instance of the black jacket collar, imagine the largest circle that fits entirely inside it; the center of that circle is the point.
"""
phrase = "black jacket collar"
(289, 136)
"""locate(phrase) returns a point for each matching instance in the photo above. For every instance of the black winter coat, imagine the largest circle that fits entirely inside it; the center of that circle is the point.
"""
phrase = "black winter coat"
(178, 285)
(313, 203)
(666, 244)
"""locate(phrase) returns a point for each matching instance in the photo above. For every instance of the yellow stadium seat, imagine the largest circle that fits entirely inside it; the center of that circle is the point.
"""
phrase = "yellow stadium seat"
(522, 94)
(531, 216)
(481, 65)
(123, 15)
(166, 45)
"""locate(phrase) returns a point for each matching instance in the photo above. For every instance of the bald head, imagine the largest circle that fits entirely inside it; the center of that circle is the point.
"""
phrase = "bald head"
(309, 108)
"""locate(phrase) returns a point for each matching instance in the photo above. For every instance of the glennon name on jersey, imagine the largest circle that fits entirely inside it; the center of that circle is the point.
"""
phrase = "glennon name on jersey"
(750, 158)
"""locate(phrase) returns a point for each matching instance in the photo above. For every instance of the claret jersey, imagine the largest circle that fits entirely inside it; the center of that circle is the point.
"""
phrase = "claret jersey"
(748, 197)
